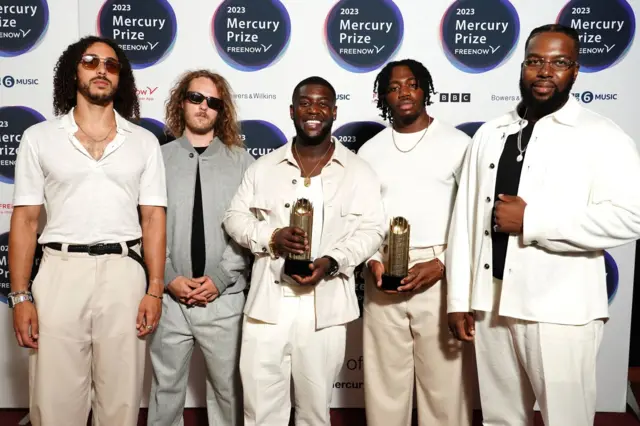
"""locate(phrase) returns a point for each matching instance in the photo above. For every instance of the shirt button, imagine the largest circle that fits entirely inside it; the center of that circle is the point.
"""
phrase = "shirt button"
(486, 232)
(486, 266)
(488, 199)
(492, 166)
(534, 242)
(264, 249)
(191, 155)
(277, 282)
(294, 181)
(287, 205)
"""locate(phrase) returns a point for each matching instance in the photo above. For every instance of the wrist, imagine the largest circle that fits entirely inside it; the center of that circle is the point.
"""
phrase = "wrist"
(332, 266)
(272, 243)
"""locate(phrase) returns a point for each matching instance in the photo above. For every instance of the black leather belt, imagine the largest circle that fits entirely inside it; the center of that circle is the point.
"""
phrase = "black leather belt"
(102, 249)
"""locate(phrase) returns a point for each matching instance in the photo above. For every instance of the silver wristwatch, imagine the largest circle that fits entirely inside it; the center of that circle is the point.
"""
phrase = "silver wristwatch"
(14, 299)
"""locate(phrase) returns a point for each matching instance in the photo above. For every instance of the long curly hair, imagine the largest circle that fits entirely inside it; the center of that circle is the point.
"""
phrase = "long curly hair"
(65, 84)
(381, 84)
(226, 126)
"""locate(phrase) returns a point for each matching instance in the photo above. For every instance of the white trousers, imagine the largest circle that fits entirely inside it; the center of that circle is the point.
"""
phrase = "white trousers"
(272, 354)
(520, 362)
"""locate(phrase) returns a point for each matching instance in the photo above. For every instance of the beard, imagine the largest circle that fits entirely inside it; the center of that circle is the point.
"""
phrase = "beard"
(199, 128)
(548, 106)
(312, 140)
(97, 99)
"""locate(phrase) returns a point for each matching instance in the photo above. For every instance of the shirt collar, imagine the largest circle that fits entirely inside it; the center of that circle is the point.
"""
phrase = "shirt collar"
(567, 115)
(339, 153)
(68, 123)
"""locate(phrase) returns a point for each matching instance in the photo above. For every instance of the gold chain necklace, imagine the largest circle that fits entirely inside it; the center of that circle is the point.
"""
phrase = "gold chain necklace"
(307, 179)
(411, 149)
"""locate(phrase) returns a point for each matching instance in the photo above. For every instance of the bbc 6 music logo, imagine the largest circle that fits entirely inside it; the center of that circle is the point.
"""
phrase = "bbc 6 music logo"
(354, 135)
(23, 24)
(362, 35)
(261, 137)
(250, 36)
(145, 30)
(605, 28)
(14, 120)
(479, 36)
(5, 285)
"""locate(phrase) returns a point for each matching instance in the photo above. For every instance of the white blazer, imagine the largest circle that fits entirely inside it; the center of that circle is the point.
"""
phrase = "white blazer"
(581, 182)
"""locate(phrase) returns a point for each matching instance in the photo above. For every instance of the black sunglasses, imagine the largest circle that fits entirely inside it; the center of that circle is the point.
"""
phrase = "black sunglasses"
(197, 98)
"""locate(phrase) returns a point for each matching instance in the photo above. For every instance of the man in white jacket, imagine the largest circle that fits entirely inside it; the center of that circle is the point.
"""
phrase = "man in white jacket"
(545, 189)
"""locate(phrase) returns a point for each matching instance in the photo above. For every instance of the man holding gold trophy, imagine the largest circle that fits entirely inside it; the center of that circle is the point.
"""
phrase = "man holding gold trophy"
(310, 212)
(406, 340)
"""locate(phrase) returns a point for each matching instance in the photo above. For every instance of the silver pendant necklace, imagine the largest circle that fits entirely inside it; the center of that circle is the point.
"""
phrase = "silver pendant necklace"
(520, 156)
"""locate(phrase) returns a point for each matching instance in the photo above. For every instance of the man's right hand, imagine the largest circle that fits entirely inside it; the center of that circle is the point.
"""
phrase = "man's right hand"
(291, 240)
(181, 287)
(377, 269)
(25, 324)
(462, 326)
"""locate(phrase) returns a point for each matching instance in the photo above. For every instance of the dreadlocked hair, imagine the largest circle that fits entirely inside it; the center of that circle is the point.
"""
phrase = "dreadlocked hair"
(381, 84)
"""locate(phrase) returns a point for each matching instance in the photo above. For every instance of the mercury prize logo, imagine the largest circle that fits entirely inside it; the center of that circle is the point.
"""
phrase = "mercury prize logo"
(362, 35)
(478, 36)
(14, 120)
(5, 285)
(145, 30)
(157, 128)
(249, 35)
(261, 137)
(23, 24)
(605, 28)
(354, 135)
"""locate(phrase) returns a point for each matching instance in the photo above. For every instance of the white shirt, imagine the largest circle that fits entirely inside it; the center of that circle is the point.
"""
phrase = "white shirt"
(352, 230)
(421, 184)
(89, 201)
(579, 180)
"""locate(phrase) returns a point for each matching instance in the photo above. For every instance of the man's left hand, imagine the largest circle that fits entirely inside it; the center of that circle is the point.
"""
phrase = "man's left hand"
(509, 214)
(207, 290)
(319, 268)
(149, 313)
(423, 274)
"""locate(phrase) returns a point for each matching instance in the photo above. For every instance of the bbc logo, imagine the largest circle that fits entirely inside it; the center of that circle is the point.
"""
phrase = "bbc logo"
(455, 97)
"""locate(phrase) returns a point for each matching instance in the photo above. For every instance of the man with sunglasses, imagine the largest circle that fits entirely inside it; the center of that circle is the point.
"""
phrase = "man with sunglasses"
(295, 325)
(205, 269)
(545, 189)
(102, 180)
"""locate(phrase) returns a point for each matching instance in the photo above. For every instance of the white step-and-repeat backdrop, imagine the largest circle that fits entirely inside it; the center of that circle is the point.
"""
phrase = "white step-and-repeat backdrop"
(473, 49)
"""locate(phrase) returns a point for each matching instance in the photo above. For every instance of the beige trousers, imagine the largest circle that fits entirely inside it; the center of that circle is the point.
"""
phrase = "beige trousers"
(87, 308)
(272, 355)
(406, 342)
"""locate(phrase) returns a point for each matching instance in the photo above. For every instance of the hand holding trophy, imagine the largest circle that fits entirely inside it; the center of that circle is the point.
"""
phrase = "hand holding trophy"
(397, 264)
(301, 217)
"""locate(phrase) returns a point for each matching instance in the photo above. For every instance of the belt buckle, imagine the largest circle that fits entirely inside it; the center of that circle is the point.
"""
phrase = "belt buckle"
(90, 249)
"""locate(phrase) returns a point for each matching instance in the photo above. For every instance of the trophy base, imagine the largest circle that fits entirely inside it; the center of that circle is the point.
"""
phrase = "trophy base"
(297, 267)
(391, 282)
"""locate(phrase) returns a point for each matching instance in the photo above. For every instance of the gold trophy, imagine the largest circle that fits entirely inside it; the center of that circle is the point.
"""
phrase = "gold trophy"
(397, 249)
(301, 217)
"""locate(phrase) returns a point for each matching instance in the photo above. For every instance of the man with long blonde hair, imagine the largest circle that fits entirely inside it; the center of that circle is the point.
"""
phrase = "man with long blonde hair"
(204, 274)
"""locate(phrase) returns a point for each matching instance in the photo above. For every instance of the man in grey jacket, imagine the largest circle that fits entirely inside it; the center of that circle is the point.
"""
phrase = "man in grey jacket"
(205, 269)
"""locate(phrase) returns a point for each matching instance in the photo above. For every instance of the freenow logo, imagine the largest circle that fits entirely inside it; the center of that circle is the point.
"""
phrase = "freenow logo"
(363, 35)
(157, 128)
(478, 36)
(611, 270)
(605, 28)
(354, 135)
(8, 81)
(23, 23)
(147, 93)
(251, 36)
(587, 97)
(470, 128)
(5, 285)
(14, 120)
(261, 137)
(454, 97)
(145, 30)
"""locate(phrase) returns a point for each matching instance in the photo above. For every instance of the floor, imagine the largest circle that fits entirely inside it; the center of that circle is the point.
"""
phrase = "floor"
(348, 417)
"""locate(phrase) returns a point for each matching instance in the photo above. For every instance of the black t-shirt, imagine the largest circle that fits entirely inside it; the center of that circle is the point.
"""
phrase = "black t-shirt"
(198, 252)
(507, 182)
